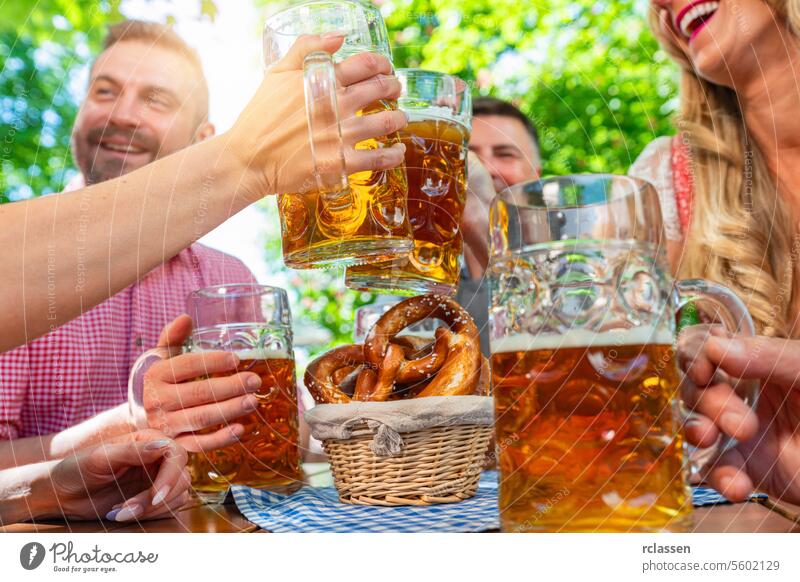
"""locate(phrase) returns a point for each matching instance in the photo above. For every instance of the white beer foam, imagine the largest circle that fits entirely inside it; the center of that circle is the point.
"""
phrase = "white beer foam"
(256, 354)
(582, 338)
(431, 113)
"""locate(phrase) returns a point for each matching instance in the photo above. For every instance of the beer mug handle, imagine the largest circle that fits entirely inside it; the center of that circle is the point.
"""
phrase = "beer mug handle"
(324, 128)
(136, 381)
(736, 319)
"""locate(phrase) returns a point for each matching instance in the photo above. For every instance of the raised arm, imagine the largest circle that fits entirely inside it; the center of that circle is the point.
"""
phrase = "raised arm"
(64, 254)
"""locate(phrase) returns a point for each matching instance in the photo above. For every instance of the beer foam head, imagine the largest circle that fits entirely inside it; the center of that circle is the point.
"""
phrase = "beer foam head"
(582, 338)
(257, 354)
(432, 112)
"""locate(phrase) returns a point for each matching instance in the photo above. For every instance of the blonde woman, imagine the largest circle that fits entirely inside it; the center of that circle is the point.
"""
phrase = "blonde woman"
(729, 185)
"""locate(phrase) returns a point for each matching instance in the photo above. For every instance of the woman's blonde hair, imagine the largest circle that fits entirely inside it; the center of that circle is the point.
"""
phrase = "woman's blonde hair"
(741, 230)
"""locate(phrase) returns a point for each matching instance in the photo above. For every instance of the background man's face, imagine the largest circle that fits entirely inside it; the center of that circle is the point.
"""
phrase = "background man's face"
(504, 146)
(141, 105)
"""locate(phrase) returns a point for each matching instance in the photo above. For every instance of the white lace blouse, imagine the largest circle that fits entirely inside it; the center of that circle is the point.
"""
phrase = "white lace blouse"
(654, 165)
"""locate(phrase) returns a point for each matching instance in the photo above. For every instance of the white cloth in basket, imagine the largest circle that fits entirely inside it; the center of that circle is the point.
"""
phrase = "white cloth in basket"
(388, 419)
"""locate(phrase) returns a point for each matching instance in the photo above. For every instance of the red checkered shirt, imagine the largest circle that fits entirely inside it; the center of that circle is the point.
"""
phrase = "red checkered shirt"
(81, 368)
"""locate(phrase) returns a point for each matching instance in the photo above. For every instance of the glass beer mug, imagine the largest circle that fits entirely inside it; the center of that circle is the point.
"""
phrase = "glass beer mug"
(338, 220)
(254, 322)
(585, 374)
(439, 109)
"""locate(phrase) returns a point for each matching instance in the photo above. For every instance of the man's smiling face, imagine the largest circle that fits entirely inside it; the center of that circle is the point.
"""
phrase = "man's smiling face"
(144, 102)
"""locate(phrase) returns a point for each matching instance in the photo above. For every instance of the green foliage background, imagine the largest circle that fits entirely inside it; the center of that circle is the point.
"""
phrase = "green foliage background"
(588, 72)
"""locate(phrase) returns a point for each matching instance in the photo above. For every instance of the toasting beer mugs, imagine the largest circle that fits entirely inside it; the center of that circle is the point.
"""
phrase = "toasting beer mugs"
(585, 375)
(254, 322)
(439, 107)
(336, 220)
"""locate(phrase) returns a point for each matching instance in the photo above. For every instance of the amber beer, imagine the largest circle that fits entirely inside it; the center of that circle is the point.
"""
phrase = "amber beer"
(586, 432)
(267, 456)
(436, 154)
(370, 220)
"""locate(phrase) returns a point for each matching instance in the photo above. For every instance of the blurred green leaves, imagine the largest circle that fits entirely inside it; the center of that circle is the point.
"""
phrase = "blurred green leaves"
(588, 72)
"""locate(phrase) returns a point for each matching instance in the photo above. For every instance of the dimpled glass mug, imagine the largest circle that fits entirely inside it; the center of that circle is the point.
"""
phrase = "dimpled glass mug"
(254, 322)
(338, 220)
(439, 109)
(585, 373)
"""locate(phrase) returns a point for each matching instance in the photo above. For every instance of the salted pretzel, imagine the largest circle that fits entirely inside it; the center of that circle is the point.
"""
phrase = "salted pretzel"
(391, 366)
(319, 377)
(463, 356)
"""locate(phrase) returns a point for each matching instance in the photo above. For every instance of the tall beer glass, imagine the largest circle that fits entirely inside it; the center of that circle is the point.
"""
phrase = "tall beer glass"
(254, 322)
(582, 326)
(336, 220)
(439, 107)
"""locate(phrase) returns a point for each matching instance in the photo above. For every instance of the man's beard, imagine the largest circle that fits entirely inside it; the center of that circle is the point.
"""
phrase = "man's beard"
(98, 164)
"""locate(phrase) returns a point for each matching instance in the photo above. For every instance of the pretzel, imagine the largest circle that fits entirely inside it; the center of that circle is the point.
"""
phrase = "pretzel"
(320, 373)
(390, 366)
(462, 370)
(378, 385)
(465, 346)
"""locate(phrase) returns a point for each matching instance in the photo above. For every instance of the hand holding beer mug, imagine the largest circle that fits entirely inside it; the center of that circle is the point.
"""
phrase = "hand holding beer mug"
(439, 108)
(176, 403)
(244, 330)
(338, 220)
(586, 381)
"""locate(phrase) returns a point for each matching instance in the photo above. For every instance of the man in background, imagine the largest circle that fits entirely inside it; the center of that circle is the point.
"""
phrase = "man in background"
(504, 150)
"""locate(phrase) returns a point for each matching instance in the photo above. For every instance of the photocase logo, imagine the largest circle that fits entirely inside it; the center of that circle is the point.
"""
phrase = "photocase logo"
(31, 555)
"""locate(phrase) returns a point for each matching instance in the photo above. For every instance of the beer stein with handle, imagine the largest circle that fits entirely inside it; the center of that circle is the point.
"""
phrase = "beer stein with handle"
(338, 220)
(254, 322)
(586, 380)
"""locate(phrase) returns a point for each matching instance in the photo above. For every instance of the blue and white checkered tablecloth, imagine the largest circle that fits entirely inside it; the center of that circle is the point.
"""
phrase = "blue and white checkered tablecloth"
(318, 510)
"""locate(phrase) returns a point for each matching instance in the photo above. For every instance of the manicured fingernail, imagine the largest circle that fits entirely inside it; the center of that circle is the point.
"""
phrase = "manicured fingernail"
(156, 445)
(401, 146)
(250, 403)
(253, 382)
(328, 35)
(112, 515)
(161, 495)
(129, 512)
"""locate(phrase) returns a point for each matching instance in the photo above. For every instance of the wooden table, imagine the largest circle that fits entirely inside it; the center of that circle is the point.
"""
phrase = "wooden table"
(750, 517)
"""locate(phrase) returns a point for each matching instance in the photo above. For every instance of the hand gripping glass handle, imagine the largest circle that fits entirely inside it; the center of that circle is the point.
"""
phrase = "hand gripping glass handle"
(734, 316)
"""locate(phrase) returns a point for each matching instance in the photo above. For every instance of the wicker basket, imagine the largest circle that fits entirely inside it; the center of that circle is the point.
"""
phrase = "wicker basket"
(437, 465)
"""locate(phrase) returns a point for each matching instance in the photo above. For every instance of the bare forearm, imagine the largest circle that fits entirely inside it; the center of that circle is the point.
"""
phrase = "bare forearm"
(64, 254)
(27, 493)
(99, 428)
